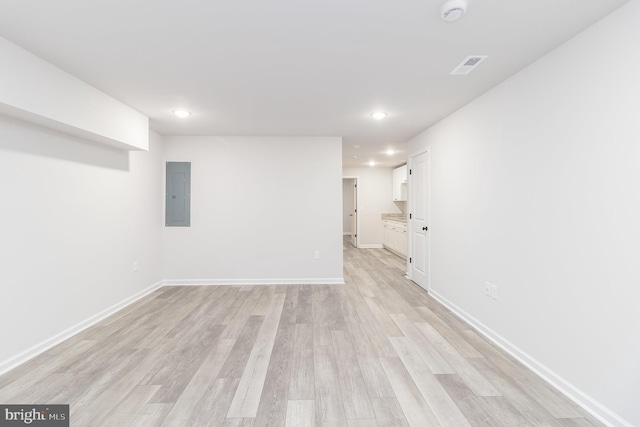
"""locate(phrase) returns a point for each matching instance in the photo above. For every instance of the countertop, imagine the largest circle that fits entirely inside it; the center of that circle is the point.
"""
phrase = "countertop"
(395, 217)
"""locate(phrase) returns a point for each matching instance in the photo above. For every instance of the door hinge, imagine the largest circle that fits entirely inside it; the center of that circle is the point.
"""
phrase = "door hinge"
(355, 235)
(410, 216)
(409, 260)
(409, 171)
(355, 210)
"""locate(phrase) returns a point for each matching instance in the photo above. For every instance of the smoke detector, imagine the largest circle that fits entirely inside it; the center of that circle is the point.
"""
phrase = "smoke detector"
(452, 10)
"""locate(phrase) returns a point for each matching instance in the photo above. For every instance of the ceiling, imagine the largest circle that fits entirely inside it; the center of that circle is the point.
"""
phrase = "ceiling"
(294, 67)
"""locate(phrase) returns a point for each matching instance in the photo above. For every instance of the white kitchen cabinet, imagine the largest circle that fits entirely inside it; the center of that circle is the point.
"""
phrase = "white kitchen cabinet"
(400, 184)
(403, 242)
(394, 237)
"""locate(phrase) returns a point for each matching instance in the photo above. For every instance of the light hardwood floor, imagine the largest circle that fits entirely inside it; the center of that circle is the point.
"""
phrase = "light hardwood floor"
(376, 352)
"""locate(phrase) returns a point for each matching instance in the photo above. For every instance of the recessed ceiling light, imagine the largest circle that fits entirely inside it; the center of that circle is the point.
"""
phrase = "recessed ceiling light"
(390, 152)
(354, 157)
(379, 115)
(372, 163)
(182, 113)
(356, 146)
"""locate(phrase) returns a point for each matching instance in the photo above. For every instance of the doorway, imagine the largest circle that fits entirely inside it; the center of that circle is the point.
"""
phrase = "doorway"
(350, 221)
(419, 198)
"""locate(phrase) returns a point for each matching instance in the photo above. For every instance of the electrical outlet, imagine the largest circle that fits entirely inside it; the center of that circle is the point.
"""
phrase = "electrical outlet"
(494, 292)
(135, 266)
(487, 289)
(316, 255)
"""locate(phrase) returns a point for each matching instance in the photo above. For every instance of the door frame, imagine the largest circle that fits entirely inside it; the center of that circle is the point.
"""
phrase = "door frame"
(357, 182)
(410, 202)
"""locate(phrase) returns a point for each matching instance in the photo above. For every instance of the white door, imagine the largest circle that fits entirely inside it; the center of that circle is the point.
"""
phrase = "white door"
(419, 219)
(354, 216)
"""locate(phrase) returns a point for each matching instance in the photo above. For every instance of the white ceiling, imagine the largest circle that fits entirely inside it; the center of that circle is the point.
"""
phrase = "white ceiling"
(294, 67)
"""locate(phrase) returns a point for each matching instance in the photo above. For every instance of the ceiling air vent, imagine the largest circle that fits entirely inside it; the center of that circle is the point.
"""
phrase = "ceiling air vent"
(469, 63)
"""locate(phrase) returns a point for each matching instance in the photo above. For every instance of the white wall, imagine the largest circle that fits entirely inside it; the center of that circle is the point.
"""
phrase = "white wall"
(347, 204)
(536, 189)
(375, 197)
(260, 208)
(75, 216)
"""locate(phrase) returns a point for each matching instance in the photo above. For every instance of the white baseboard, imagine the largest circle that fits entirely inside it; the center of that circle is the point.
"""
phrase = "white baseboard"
(32, 352)
(232, 282)
(588, 403)
(370, 246)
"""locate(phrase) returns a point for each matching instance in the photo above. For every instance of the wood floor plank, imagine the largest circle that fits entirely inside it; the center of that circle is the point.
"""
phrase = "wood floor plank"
(151, 415)
(235, 364)
(289, 310)
(238, 422)
(302, 380)
(334, 314)
(518, 397)
(237, 318)
(375, 379)
(347, 308)
(479, 410)
(443, 313)
(247, 398)
(388, 325)
(164, 319)
(262, 305)
(361, 281)
(354, 392)
(127, 412)
(375, 331)
(550, 399)
(272, 410)
(205, 376)
(441, 404)
(304, 309)
(94, 411)
(576, 422)
(329, 408)
(205, 299)
(475, 381)
(212, 407)
(458, 342)
(415, 408)
(388, 412)
(89, 386)
(362, 423)
(175, 371)
(151, 303)
(16, 385)
(394, 302)
(215, 312)
(360, 339)
(46, 390)
(427, 351)
(300, 413)
(321, 328)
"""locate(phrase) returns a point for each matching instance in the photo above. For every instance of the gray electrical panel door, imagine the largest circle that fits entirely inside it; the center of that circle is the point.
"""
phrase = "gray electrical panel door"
(178, 195)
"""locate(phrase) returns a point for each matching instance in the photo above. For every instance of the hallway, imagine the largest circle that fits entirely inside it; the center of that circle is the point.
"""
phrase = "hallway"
(376, 352)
